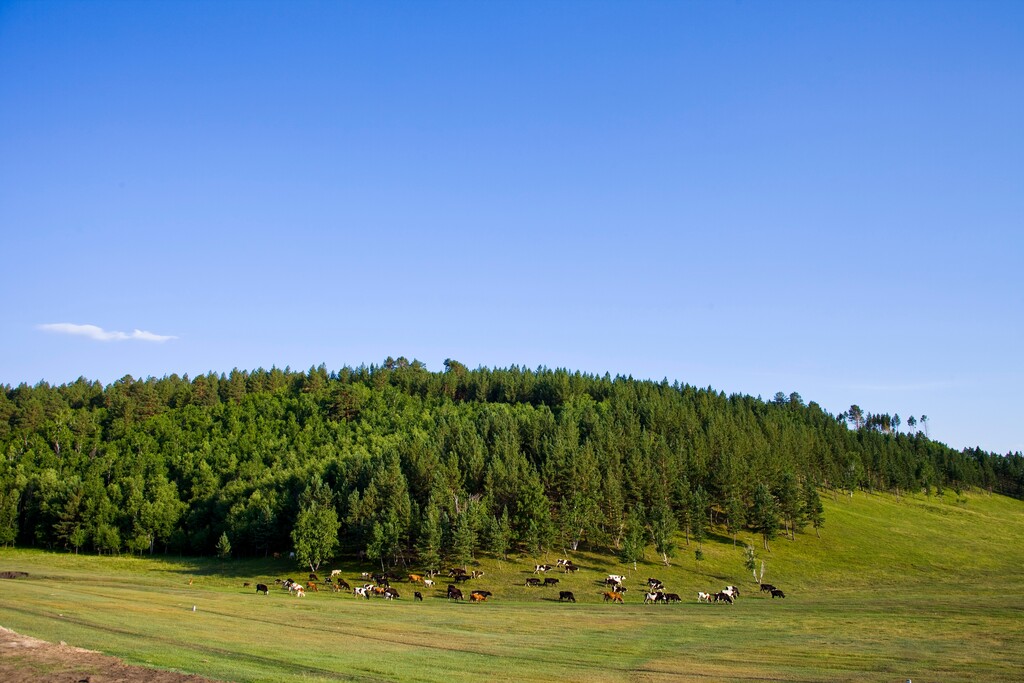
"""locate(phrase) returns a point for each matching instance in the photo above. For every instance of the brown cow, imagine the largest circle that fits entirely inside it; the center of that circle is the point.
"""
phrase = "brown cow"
(612, 596)
(415, 578)
(477, 597)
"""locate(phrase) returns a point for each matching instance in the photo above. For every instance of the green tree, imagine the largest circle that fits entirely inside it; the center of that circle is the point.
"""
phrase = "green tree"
(663, 531)
(315, 534)
(635, 538)
(500, 535)
(813, 511)
(788, 497)
(764, 516)
(224, 546)
(428, 545)
(698, 516)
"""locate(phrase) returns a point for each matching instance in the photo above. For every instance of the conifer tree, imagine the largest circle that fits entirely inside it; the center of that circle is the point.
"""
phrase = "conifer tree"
(764, 516)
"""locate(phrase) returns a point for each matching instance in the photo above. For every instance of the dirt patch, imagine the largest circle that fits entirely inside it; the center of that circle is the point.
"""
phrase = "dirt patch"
(29, 660)
(13, 575)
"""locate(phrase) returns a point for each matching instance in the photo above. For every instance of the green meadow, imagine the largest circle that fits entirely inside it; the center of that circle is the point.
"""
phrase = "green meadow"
(927, 589)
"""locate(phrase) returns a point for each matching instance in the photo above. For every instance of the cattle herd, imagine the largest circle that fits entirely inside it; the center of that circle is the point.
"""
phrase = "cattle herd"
(378, 585)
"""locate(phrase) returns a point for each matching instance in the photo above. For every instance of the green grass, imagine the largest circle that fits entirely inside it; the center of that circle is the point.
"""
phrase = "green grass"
(919, 588)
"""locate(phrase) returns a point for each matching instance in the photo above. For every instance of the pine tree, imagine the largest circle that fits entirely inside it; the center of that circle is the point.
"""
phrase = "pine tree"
(635, 538)
(812, 511)
(224, 546)
(764, 516)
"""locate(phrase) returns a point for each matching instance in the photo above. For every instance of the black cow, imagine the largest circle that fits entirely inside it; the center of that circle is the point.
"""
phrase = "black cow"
(566, 596)
(672, 597)
(261, 587)
(767, 588)
(533, 582)
(459, 578)
(417, 596)
(550, 582)
(454, 593)
(776, 593)
(342, 583)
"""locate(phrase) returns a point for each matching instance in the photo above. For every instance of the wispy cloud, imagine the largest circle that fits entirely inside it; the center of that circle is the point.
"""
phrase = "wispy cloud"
(99, 334)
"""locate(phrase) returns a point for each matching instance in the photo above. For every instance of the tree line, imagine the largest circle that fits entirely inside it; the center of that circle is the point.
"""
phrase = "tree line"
(398, 463)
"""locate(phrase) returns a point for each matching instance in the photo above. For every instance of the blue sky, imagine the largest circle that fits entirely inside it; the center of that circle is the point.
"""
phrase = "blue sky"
(821, 197)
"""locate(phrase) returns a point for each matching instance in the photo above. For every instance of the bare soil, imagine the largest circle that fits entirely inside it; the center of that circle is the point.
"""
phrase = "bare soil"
(29, 660)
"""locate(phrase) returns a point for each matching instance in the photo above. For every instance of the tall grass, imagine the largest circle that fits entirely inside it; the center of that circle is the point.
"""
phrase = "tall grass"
(919, 588)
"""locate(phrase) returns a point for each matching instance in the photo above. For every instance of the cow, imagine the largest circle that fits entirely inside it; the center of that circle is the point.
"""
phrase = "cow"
(570, 567)
(477, 597)
(562, 562)
(342, 583)
(615, 578)
(612, 596)
(299, 593)
(247, 584)
(723, 597)
(261, 587)
(532, 582)
(541, 568)
(415, 578)
(655, 584)
(459, 578)
(428, 583)
(733, 591)
(417, 596)
(486, 594)
(477, 574)
(566, 596)
(454, 593)
(672, 597)
(550, 582)
(360, 591)
(767, 588)
(335, 572)
(456, 571)
(653, 597)
(313, 577)
(776, 593)
(312, 586)
(390, 593)
(704, 597)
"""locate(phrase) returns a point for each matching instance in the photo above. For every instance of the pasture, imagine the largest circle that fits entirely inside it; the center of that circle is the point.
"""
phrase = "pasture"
(920, 588)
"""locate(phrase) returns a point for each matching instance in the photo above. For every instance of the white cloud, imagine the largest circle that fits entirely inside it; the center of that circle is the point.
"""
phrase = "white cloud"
(99, 334)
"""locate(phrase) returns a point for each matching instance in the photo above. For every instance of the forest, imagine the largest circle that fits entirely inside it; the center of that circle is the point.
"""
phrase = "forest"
(399, 464)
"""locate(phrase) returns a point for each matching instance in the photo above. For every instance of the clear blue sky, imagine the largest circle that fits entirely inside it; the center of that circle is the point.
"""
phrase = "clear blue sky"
(821, 197)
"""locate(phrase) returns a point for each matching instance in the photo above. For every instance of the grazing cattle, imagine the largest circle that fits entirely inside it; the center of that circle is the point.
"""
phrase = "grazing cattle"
(570, 567)
(776, 593)
(342, 583)
(382, 580)
(417, 596)
(550, 582)
(380, 590)
(364, 575)
(261, 587)
(733, 591)
(566, 596)
(655, 583)
(362, 592)
(391, 594)
(476, 574)
(652, 597)
(723, 597)
(704, 597)
(541, 568)
(459, 578)
(486, 594)
(612, 596)
(313, 577)
(299, 593)
(532, 582)
(477, 597)
(312, 586)
(335, 572)
(767, 588)
(415, 578)
(247, 584)
(454, 593)
(615, 578)
(672, 597)
(428, 582)
(456, 571)
(561, 562)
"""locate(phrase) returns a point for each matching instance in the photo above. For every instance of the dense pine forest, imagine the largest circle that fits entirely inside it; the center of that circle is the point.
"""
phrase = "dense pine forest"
(400, 464)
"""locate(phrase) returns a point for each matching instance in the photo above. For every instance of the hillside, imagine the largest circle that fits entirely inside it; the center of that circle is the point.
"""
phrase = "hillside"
(409, 466)
(925, 588)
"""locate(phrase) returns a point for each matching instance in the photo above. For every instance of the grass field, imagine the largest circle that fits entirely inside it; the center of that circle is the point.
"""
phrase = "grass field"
(917, 588)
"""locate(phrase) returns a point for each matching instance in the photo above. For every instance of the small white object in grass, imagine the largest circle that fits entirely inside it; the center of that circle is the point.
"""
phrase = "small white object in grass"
(193, 608)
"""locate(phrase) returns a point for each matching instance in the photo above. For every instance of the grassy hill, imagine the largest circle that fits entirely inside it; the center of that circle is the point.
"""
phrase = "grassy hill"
(915, 587)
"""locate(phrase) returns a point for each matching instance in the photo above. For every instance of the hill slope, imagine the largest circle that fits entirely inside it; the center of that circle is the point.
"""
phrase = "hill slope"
(916, 587)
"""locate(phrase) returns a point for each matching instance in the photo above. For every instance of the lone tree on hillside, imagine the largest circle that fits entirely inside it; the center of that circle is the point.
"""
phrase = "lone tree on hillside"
(316, 528)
